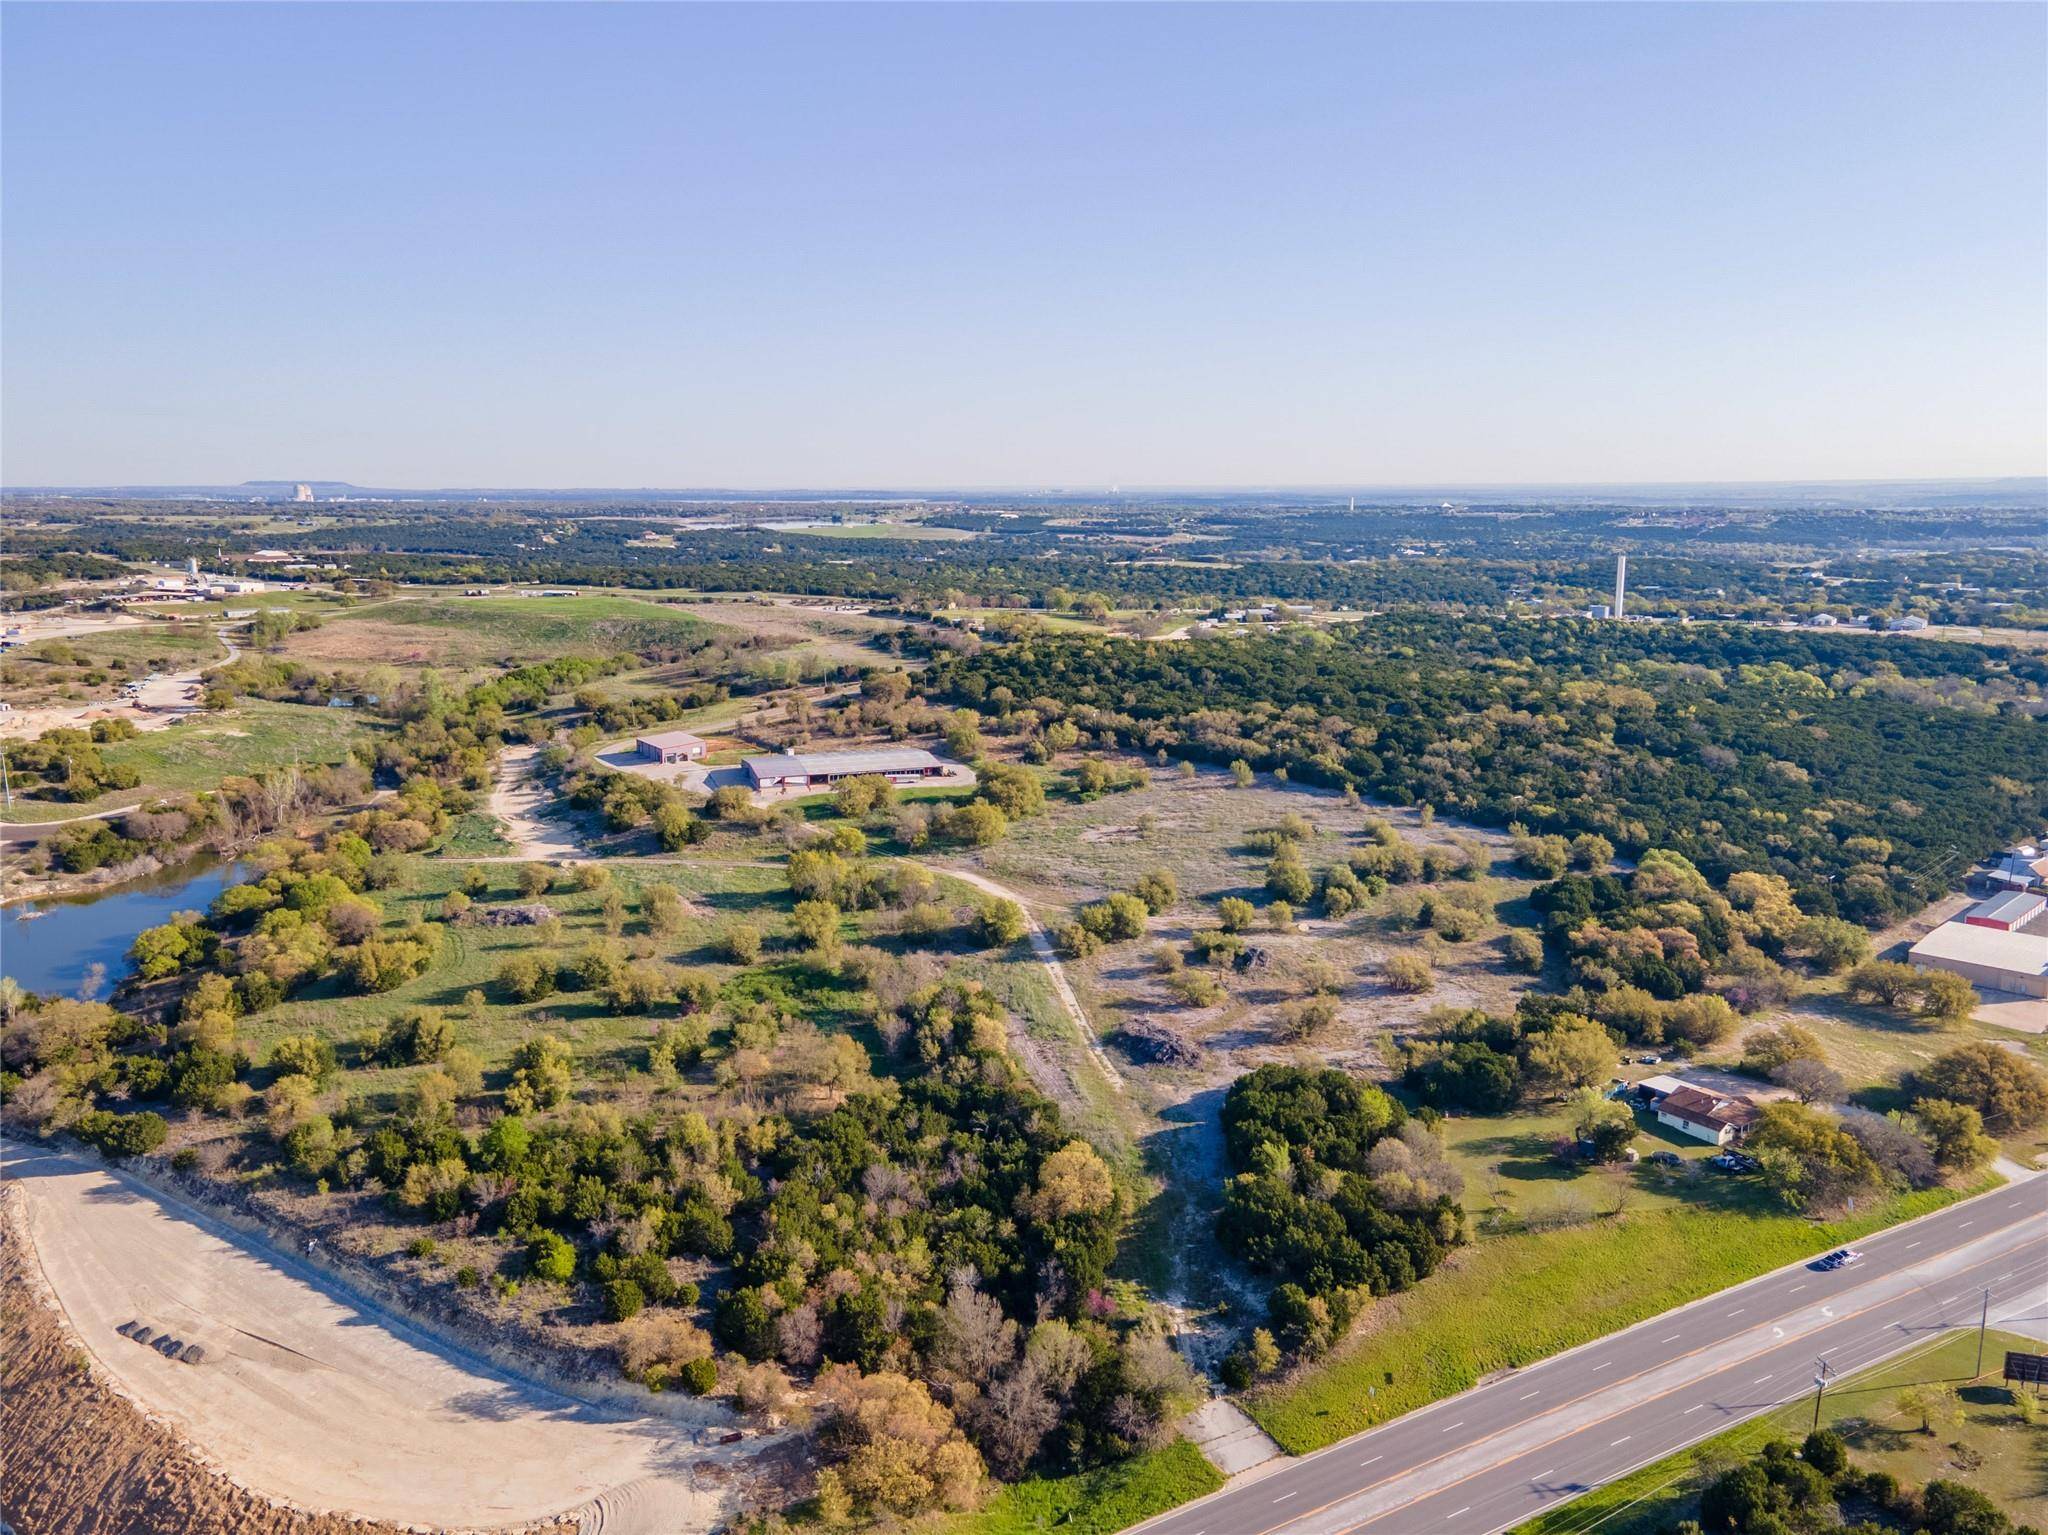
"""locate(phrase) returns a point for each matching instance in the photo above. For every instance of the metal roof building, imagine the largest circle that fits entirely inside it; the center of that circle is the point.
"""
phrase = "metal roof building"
(2014, 909)
(1987, 956)
(803, 770)
(671, 746)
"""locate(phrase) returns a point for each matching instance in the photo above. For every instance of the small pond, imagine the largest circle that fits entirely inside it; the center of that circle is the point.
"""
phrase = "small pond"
(51, 946)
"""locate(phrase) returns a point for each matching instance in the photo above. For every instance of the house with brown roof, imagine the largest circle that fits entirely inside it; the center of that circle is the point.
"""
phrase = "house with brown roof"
(1707, 1116)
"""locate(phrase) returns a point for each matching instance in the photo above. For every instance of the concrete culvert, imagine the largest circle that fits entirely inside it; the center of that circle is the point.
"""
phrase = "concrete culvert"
(130, 1328)
(194, 1353)
(144, 1335)
(168, 1346)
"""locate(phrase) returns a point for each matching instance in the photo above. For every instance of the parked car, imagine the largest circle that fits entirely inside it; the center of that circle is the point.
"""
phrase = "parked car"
(1666, 1158)
(1840, 1258)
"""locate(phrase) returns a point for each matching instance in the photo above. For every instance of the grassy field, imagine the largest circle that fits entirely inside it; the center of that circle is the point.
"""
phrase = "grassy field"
(1094, 1502)
(1053, 623)
(199, 751)
(253, 737)
(1509, 1301)
(605, 1044)
(475, 835)
(913, 532)
(57, 670)
(608, 1046)
(1511, 1177)
(473, 630)
(160, 647)
(291, 599)
(1873, 1047)
(1994, 1449)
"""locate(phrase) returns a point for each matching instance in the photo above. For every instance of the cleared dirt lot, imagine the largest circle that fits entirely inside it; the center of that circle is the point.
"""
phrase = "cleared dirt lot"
(312, 1396)
(84, 1460)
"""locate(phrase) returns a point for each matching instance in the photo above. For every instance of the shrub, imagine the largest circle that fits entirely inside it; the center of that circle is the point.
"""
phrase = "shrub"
(1825, 1452)
(1408, 972)
(741, 943)
(528, 977)
(122, 1135)
(1158, 890)
(623, 1300)
(1116, 919)
(305, 1055)
(540, 1075)
(999, 923)
(549, 1256)
(698, 1376)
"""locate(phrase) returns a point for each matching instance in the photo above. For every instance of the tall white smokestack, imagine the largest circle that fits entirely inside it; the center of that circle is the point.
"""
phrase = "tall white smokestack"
(1620, 585)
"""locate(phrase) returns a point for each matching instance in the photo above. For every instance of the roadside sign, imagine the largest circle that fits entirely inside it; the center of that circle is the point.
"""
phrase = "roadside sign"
(2027, 1369)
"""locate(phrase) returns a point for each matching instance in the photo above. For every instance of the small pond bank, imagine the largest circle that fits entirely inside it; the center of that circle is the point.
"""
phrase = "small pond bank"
(51, 945)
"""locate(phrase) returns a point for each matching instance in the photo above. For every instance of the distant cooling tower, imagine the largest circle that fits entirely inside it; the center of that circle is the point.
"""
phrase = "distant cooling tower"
(1620, 586)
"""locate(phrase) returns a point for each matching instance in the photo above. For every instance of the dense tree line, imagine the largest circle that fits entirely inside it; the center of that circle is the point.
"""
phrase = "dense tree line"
(1739, 749)
(1336, 1193)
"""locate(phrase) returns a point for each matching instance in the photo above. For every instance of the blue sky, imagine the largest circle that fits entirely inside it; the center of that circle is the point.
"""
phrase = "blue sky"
(990, 245)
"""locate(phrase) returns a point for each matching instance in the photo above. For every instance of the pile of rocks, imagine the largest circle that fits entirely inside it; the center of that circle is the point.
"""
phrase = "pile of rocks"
(1148, 1040)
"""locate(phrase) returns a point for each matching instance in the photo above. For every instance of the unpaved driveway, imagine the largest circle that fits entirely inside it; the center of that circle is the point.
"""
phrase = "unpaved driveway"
(312, 1396)
(1041, 945)
(532, 819)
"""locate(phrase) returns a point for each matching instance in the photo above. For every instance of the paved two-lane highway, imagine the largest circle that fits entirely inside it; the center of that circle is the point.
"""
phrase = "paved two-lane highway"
(1505, 1451)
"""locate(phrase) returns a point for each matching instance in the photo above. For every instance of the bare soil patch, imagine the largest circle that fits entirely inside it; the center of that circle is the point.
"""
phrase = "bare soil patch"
(85, 1460)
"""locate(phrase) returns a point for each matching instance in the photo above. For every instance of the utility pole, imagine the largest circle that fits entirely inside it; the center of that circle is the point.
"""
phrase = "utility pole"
(1983, 1322)
(1820, 1384)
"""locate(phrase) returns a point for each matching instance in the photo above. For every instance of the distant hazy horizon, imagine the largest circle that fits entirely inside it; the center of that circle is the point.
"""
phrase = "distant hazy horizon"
(1025, 246)
(1789, 492)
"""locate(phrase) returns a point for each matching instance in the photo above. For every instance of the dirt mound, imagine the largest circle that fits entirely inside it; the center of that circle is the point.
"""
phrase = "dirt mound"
(84, 1461)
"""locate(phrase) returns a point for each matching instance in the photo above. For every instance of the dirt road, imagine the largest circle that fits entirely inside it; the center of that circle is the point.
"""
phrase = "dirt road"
(1041, 945)
(311, 1395)
(520, 800)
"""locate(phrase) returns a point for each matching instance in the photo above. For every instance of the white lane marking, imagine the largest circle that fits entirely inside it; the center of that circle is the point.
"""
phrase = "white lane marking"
(1363, 1463)
(1760, 1380)
(1693, 1409)
(1795, 1289)
(1449, 1426)
(1465, 1510)
(1624, 1439)
(1738, 1311)
(1285, 1496)
(1672, 1339)
(1544, 1472)
(1966, 1223)
(1949, 1300)
(1911, 1245)
(1601, 1366)
(1525, 1396)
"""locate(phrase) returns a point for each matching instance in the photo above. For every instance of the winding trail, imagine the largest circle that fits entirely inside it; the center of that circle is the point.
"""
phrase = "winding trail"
(1041, 945)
